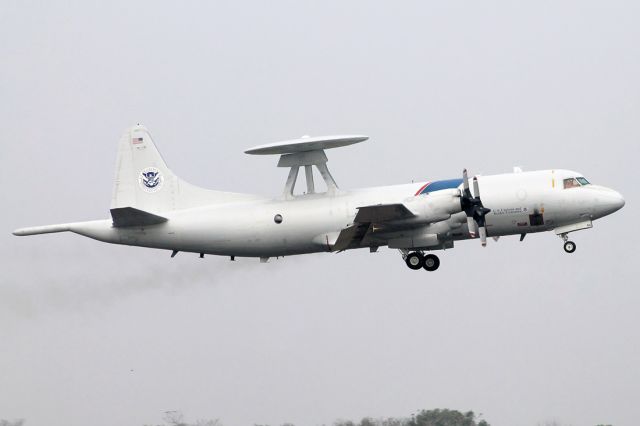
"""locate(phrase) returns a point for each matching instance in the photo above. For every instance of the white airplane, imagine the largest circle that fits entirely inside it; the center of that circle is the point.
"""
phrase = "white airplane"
(152, 207)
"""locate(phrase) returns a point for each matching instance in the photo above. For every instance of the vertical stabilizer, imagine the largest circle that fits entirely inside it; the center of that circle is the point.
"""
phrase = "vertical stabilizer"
(143, 180)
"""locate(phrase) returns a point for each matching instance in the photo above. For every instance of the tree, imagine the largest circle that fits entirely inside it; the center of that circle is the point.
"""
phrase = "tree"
(176, 418)
(445, 417)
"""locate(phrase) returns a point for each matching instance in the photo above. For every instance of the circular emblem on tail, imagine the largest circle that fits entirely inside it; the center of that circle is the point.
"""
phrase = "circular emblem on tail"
(150, 179)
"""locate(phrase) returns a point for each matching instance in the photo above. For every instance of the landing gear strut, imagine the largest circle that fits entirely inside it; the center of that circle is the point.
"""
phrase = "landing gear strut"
(569, 246)
(416, 260)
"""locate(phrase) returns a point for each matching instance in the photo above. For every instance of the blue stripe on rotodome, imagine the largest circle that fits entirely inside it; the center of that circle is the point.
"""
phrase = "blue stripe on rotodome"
(442, 184)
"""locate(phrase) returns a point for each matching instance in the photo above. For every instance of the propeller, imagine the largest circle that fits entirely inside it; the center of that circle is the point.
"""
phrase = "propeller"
(473, 208)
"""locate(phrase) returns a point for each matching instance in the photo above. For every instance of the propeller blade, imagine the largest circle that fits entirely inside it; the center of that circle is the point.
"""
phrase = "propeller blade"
(476, 187)
(471, 224)
(472, 206)
(483, 236)
(465, 180)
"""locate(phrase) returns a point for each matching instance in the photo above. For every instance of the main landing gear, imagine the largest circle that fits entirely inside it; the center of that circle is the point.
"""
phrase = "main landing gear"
(569, 246)
(417, 260)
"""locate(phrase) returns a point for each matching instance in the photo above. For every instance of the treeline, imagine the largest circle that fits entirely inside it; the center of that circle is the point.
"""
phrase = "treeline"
(436, 417)
(423, 418)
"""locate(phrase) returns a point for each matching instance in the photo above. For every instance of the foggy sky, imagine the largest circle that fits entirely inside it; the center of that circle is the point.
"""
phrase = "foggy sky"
(92, 333)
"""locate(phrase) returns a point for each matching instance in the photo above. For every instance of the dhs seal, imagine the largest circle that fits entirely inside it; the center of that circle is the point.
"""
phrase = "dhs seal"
(151, 180)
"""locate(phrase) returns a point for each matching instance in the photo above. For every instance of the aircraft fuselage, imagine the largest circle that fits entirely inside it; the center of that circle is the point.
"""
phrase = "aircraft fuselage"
(520, 203)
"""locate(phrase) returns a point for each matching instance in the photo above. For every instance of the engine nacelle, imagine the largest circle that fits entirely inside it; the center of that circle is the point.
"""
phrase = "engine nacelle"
(435, 206)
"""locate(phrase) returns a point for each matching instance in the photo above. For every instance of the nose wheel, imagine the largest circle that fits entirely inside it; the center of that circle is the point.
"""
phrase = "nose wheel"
(416, 260)
(569, 246)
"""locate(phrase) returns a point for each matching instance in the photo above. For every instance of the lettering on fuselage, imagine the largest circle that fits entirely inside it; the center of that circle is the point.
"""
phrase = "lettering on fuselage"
(510, 210)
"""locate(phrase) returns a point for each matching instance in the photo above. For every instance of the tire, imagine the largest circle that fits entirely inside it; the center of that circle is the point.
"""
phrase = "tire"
(569, 246)
(431, 262)
(414, 261)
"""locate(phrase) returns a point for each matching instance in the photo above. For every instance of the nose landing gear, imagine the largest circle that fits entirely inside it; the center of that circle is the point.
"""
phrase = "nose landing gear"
(569, 246)
(417, 260)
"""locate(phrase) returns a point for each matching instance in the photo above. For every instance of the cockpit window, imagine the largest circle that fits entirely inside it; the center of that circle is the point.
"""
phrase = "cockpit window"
(583, 181)
(575, 182)
(571, 183)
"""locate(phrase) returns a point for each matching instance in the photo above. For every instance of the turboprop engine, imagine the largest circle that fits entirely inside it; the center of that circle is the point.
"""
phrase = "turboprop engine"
(435, 206)
(440, 205)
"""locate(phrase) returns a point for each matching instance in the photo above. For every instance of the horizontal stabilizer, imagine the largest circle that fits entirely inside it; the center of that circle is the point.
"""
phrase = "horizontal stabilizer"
(128, 216)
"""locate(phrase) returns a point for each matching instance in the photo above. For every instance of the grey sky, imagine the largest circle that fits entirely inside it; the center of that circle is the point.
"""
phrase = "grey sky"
(98, 334)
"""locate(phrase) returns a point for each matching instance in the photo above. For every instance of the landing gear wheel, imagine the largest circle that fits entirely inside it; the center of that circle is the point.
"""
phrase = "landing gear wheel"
(414, 260)
(431, 262)
(569, 246)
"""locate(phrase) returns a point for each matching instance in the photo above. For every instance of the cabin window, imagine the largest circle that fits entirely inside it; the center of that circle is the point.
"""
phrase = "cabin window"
(571, 183)
(583, 181)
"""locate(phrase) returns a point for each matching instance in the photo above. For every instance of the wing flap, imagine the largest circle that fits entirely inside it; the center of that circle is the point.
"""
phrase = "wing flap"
(364, 224)
(351, 236)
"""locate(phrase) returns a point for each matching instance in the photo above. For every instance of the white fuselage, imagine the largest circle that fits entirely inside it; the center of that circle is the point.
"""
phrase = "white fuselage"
(520, 203)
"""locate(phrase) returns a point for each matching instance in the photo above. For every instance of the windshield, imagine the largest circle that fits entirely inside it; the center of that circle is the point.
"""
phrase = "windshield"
(575, 182)
(583, 181)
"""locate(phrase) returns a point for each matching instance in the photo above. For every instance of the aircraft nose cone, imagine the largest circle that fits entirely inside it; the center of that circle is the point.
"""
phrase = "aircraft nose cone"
(620, 202)
(611, 201)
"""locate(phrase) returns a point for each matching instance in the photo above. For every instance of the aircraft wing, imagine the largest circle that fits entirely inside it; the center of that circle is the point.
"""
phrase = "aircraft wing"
(365, 222)
(382, 213)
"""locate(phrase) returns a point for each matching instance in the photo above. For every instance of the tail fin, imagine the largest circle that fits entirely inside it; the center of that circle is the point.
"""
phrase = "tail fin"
(144, 181)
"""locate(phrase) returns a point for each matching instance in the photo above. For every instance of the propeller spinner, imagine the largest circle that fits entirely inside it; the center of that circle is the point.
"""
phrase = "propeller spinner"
(473, 208)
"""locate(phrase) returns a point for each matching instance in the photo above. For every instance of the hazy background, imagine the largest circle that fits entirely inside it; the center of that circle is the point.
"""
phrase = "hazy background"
(521, 332)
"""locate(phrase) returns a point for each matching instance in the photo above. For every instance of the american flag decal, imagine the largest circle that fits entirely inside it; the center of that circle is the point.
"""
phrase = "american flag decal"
(136, 141)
